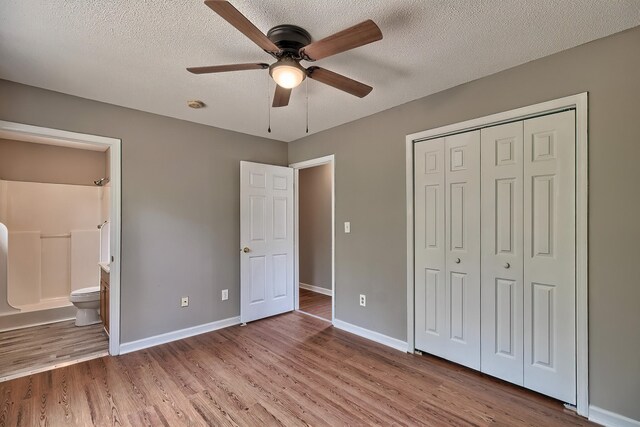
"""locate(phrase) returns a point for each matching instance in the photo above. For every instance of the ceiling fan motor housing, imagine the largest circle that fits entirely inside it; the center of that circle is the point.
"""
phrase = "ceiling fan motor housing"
(289, 38)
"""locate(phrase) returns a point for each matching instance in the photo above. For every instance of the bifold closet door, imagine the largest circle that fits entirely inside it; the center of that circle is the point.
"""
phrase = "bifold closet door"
(430, 267)
(502, 251)
(447, 242)
(462, 224)
(549, 261)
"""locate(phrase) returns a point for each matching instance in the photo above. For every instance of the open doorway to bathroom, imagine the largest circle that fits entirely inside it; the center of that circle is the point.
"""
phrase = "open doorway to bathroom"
(56, 207)
(315, 237)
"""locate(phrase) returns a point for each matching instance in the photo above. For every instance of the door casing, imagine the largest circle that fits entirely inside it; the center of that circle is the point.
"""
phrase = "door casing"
(330, 160)
(80, 139)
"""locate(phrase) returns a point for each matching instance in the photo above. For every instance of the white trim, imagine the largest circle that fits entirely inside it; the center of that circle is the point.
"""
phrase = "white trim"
(143, 343)
(610, 419)
(43, 132)
(410, 257)
(582, 255)
(330, 160)
(317, 289)
(85, 358)
(580, 103)
(371, 335)
(115, 209)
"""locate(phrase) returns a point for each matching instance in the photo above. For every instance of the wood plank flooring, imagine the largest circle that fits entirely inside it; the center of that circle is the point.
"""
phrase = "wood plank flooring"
(44, 347)
(315, 303)
(287, 370)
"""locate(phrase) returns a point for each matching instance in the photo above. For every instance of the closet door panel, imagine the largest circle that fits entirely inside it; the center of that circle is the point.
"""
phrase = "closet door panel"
(549, 242)
(462, 223)
(502, 251)
(429, 199)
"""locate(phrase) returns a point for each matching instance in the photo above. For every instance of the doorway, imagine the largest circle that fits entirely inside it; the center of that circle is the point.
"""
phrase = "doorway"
(314, 287)
(109, 184)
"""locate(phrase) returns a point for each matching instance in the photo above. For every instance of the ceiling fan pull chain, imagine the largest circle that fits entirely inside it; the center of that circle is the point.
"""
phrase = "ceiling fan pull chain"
(268, 103)
(307, 95)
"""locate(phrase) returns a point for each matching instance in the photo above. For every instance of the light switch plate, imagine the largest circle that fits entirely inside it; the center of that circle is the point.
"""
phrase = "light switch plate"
(225, 294)
(184, 302)
(347, 227)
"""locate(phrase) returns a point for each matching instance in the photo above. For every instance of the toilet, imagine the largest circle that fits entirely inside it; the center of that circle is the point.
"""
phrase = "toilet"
(87, 301)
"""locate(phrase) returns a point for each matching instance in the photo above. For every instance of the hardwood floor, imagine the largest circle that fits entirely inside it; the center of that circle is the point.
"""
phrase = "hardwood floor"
(287, 370)
(315, 303)
(41, 348)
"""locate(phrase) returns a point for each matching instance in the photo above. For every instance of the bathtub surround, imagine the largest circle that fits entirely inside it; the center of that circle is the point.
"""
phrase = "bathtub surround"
(85, 256)
(24, 283)
(27, 319)
(54, 244)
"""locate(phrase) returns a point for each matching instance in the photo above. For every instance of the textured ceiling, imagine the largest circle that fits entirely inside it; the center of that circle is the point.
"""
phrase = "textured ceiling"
(134, 53)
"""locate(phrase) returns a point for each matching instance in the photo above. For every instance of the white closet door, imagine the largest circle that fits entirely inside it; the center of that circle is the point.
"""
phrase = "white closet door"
(429, 169)
(549, 269)
(502, 252)
(462, 225)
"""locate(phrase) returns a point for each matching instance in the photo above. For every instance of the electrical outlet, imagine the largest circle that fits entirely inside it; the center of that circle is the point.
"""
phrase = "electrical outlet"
(184, 302)
(347, 227)
(363, 300)
(225, 294)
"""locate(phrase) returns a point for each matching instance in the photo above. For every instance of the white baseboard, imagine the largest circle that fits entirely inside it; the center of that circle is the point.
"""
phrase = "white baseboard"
(128, 347)
(372, 335)
(610, 419)
(318, 289)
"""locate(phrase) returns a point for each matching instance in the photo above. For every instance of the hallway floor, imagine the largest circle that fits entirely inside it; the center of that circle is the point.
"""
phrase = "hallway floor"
(315, 303)
(41, 348)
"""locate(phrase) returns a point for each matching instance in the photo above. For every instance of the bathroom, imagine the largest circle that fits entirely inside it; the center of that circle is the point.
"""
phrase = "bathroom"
(55, 199)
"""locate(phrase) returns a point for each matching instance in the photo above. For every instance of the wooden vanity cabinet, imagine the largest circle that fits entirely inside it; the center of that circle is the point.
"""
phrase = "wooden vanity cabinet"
(104, 299)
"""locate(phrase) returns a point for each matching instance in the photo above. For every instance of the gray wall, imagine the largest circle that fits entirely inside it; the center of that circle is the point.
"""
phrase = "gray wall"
(314, 225)
(370, 192)
(180, 204)
(26, 161)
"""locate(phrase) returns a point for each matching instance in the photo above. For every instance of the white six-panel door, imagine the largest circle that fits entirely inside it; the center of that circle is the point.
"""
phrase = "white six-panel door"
(430, 268)
(549, 249)
(502, 252)
(447, 239)
(266, 239)
(462, 224)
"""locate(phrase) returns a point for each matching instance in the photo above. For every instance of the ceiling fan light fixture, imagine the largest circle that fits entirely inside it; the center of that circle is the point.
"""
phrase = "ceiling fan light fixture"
(287, 73)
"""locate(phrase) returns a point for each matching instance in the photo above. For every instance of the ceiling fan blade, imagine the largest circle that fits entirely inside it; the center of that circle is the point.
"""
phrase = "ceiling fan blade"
(281, 97)
(339, 81)
(359, 35)
(225, 68)
(238, 20)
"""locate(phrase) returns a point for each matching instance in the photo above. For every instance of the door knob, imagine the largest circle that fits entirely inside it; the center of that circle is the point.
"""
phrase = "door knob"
(457, 260)
(246, 250)
(507, 265)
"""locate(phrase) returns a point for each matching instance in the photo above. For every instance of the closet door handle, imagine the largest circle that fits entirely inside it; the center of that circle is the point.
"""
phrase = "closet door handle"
(457, 260)
(507, 265)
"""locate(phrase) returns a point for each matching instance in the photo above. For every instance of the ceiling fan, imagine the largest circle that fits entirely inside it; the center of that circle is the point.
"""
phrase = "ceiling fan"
(290, 44)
